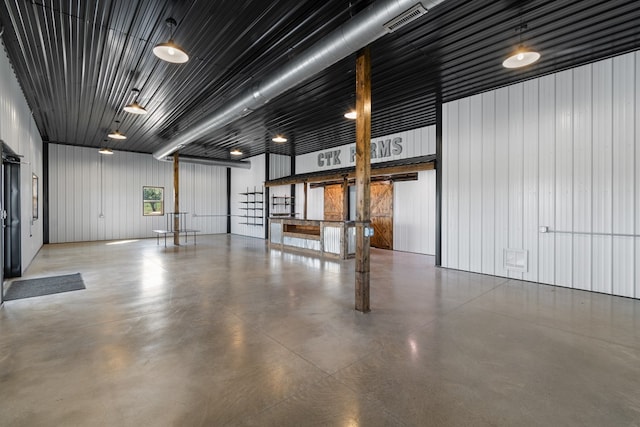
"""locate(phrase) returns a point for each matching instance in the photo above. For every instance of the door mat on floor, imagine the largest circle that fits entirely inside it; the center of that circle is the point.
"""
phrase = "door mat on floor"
(44, 286)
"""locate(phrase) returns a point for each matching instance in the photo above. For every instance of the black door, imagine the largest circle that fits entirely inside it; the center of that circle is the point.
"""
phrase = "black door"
(11, 213)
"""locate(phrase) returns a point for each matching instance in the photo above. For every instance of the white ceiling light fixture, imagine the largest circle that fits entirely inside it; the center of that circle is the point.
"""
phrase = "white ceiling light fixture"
(170, 51)
(279, 138)
(105, 150)
(134, 107)
(116, 134)
(351, 115)
(235, 152)
(522, 56)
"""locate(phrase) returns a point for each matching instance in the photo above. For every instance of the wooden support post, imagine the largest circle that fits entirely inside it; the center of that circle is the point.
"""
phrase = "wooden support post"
(305, 200)
(363, 177)
(176, 199)
(345, 199)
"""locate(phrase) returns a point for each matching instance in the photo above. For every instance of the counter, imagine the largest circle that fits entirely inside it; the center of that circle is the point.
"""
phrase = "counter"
(335, 239)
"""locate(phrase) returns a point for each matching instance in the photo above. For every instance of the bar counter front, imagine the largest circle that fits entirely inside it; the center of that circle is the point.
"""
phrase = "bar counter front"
(335, 239)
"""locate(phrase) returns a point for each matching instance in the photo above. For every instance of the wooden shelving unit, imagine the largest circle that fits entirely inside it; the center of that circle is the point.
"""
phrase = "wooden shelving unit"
(281, 206)
(253, 207)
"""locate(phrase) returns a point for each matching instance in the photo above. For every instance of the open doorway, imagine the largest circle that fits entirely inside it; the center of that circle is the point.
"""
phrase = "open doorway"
(10, 244)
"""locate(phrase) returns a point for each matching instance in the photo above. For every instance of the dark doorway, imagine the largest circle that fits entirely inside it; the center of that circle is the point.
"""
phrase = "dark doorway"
(12, 250)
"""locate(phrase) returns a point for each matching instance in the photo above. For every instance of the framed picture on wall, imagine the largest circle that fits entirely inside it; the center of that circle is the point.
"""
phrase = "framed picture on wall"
(34, 196)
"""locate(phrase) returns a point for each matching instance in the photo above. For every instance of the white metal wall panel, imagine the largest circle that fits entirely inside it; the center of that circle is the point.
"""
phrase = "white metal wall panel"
(415, 143)
(564, 178)
(562, 152)
(279, 166)
(502, 179)
(241, 180)
(530, 177)
(315, 204)
(637, 178)
(95, 197)
(624, 170)
(18, 131)
(449, 161)
(452, 193)
(488, 159)
(516, 170)
(464, 211)
(475, 184)
(546, 178)
(203, 196)
(414, 214)
(582, 166)
(602, 176)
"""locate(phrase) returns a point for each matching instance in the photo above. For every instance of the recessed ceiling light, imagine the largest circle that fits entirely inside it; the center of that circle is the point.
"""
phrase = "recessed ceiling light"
(105, 151)
(235, 152)
(170, 51)
(351, 115)
(521, 58)
(279, 138)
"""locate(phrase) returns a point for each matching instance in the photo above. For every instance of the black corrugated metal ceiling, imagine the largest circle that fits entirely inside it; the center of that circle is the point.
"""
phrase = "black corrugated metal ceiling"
(77, 62)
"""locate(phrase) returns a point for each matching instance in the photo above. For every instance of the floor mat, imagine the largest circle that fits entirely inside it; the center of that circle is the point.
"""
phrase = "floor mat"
(44, 286)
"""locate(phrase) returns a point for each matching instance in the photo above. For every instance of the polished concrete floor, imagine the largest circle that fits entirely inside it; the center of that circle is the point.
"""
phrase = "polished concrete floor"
(230, 333)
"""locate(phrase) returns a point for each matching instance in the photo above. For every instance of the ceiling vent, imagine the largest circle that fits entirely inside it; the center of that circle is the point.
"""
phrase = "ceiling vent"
(404, 18)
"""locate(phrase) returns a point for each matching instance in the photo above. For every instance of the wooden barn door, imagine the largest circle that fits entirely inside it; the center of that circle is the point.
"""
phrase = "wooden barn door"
(382, 215)
(333, 203)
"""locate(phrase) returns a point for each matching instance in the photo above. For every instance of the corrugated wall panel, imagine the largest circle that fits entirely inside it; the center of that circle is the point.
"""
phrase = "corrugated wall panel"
(464, 180)
(566, 157)
(637, 178)
(94, 197)
(414, 214)
(488, 138)
(241, 181)
(530, 177)
(602, 176)
(582, 165)
(516, 169)
(546, 179)
(315, 204)
(564, 178)
(18, 130)
(502, 180)
(444, 197)
(624, 75)
(453, 192)
(279, 166)
(475, 183)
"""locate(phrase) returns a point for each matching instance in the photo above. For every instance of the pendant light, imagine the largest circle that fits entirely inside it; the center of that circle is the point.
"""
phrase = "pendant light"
(105, 150)
(170, 51)
(235, 152)
(351, 115)
(279, 138)
(134, 107)
(116, 134)
(522, 56)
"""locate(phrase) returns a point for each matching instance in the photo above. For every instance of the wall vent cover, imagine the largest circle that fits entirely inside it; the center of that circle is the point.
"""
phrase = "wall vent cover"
(516, 260)
(404, 18)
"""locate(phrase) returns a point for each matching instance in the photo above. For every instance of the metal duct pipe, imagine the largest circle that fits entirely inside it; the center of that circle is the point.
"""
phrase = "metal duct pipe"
(378, 19)
(210, 162)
